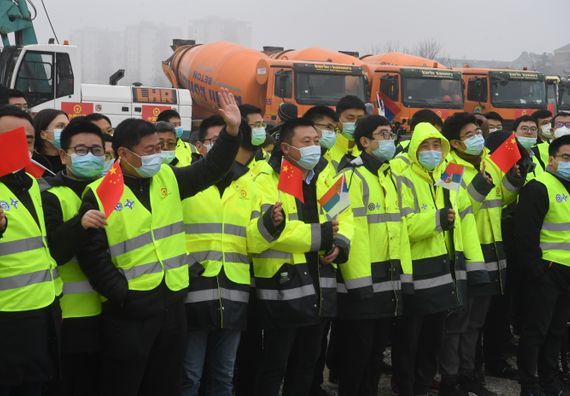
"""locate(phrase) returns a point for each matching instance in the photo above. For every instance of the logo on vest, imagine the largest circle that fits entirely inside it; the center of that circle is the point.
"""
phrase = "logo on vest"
(129, 204)
(164, 192)
(243, 194)
(374, 206)
(561, 198)
(424, 206)
(119, 207)
(4, 205)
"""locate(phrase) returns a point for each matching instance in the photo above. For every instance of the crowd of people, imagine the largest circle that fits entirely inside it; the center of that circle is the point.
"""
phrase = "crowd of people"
(208, 278)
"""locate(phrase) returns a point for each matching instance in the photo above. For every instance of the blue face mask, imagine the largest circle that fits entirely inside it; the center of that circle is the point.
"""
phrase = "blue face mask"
(106, 166)
(385, 150)
(310, 156)
(86, 166)
(328, 138)
(150, 165)
(563, 170)
(348, 130)
(179, 132)
(429, 159)
(527, 142)
(258, 136)
(57, 138)
(474, 145)
(167, 156)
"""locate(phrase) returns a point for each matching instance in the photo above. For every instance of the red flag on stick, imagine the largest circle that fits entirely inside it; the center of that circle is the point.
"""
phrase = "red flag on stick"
(37, 170)
(111, 188)
(507, 154)
(291, 180)
(14, 153)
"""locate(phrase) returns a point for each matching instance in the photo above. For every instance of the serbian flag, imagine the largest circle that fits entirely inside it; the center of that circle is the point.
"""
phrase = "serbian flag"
(507, 154)
(291, 180)
(336, 199)
(14, 153)
(391, 109)
(451, 177)
(111, 188)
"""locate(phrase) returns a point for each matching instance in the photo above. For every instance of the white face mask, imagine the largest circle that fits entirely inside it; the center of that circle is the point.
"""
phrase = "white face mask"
(546, 130)
(561, 131)
(208, 146)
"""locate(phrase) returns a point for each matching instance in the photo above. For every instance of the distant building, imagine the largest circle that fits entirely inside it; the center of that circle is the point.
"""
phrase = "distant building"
(211, 29)
(561, 61)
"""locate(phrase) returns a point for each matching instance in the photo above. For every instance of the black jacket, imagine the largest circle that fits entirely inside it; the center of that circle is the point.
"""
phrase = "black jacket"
(95, 259)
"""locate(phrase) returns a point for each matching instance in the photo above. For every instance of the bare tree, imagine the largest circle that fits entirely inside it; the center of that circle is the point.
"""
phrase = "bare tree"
(428, 48)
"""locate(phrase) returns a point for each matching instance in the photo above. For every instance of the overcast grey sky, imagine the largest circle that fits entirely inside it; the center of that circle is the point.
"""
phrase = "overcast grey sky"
(481, 29)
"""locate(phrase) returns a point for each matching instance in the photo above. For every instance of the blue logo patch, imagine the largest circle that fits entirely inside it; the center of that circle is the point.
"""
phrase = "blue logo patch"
(561, 198)
(14, 203)
(129, 204)
(119, 207)
(4, 205)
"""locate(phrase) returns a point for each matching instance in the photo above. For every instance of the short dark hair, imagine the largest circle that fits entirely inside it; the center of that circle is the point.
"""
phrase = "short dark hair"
(349, 102)
(107, 138)
(129, 133)
(493, 115)
(288, 128)
(163, 126)
(556, 144)
(247, 109)
(561, 114)
(455, 123)
(317, 113)
(98, 117)
(75, 128)
(425, 115)
(207, 123)
(14, 111)
(537, 115)
(41, 121)
(166, 115)
(524, 118)
(14, 93)
(366, 126)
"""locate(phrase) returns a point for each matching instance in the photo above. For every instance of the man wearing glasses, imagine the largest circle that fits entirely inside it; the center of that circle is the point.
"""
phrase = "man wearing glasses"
(542, 233)
(526, 131)
(83, 153)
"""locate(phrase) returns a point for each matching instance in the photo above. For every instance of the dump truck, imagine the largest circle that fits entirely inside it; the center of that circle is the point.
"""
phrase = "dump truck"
(258, 79)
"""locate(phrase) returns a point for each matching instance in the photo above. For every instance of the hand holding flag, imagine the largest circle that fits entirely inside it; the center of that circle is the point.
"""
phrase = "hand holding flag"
(451, 177)
(291, 180)
(111, 188)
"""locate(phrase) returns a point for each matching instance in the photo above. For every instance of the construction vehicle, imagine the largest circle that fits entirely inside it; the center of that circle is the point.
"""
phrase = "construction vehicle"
(258, 79)
(50, 77)
(564, 95)
(552, 93)
(511, 93)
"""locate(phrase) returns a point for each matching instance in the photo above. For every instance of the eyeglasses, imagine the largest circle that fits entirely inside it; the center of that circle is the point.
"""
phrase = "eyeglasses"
(529, 129)
(81, 149)
(386, 135)
(167, 145)
(470, 134)
(565, 157)
(330, 127)
(561, 124)
(259, 124)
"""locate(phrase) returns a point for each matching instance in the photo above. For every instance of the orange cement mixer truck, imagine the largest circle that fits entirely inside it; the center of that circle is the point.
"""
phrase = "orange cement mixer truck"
(256, 78)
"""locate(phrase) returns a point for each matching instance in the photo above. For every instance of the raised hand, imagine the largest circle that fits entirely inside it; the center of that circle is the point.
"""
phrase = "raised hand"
(229, 111)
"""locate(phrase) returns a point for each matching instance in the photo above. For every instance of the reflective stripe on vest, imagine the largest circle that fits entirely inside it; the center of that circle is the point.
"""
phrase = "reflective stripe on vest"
(217, 294)
(286, 294)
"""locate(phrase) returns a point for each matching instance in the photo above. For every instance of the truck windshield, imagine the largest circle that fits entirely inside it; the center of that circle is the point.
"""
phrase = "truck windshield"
(565, 97)
(432, 92)
(518, 93)
(327, 89)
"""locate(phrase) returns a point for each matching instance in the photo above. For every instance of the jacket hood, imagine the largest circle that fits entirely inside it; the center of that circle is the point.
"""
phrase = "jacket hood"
(422, 132)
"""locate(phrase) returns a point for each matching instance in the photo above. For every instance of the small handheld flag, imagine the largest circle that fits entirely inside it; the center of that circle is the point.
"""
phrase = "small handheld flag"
(291, 180)
(336, 199)
(111, 188)
(507, 154)
(451, 177)
(13, 151)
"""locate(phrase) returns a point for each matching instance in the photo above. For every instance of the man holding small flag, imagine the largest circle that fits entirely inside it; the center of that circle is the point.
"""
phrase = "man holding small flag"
(295, 278)
(29, 286)
(138, 261)
(489, 190)
(370, 293)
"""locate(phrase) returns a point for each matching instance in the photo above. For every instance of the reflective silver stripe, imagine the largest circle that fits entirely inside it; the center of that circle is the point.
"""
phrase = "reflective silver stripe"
(465, 212)
(199, 257)
(406, 278)
(365, 189)
(475, 194)
(286, 294)
(555, 246)
(507, 184)
(433, 282)
(438, 226)
(204, 228)
(293, 216)
(341, 288)
(16, 281)
(175, 262)
(77, 287)
(502, 264)
(492, 203)
(476, 266)
(357, 283)
(461, 275)
(263, 230)
(406, 211)
(265, 207)
(232, 229)
(215, 295)
(383, 217)
(492, 266)
(407, 182)
(272, 254)
(329, 283)
(342, 238)
(234, 257)
(556, 226)
(255, 214)
(21, 245)
(316, 238)
(359, 212)
(140, 270)
(169, 230)
(381, 287)
(405, 159)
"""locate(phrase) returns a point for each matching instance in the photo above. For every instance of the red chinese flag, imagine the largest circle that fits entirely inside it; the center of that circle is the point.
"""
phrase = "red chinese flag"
(111, 188)
(35, 169)
(14, 153)
(291, 180)
(507, 154)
